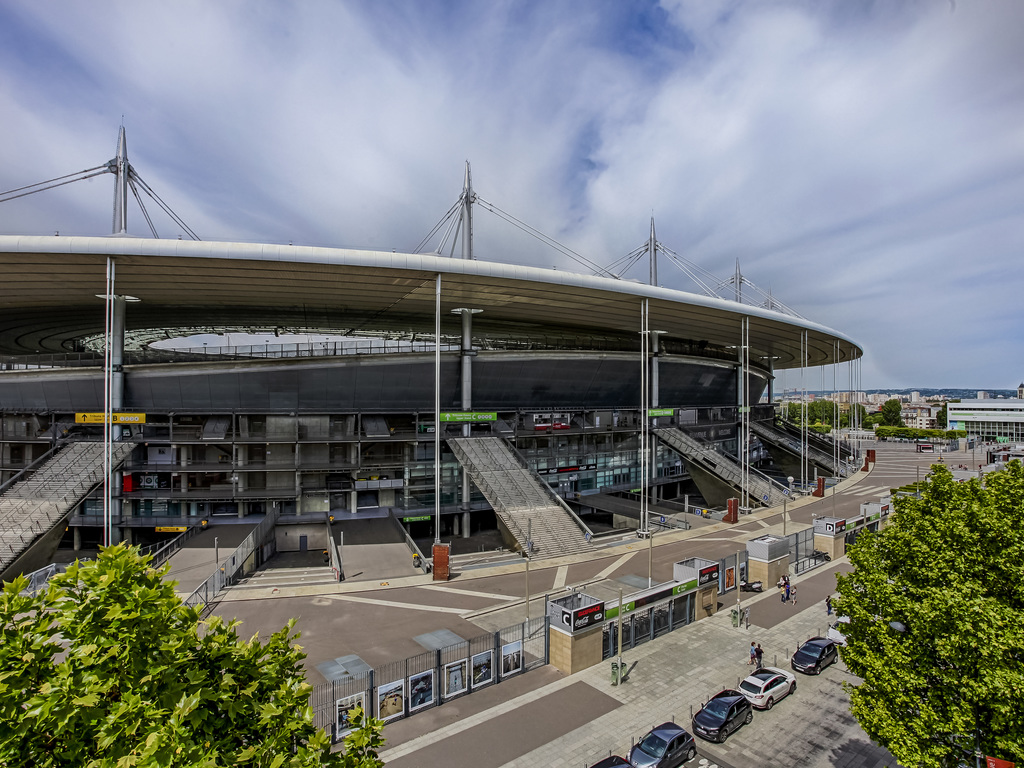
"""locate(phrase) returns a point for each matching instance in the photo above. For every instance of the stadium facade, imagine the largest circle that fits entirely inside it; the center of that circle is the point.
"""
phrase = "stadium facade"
(549, 361)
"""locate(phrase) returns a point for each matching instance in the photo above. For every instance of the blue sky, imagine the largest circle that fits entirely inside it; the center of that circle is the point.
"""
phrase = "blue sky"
(863, 160)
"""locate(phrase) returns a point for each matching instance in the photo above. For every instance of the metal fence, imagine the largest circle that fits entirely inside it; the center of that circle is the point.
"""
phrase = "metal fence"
(249, 556)
(400, 689)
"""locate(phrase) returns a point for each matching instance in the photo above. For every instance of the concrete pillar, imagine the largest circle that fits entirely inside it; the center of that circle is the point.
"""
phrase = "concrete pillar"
(455, 525)
(353, 502)
(465, 525)
(76, 534)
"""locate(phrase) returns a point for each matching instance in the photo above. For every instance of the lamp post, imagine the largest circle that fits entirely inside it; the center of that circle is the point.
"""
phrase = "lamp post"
(784, 502)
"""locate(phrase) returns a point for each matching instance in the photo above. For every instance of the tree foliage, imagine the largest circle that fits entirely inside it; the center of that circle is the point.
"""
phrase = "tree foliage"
(892, 412)
(950, 673)
(108, 668)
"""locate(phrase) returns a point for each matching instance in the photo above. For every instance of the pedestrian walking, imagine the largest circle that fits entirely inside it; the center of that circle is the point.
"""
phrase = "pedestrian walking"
(828, 605)
(792, 594)
(759, 657)
(782, 592)
(753, 654)
(785, 597)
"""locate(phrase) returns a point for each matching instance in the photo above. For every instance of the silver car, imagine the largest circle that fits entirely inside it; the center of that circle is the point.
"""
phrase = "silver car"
(766, 686)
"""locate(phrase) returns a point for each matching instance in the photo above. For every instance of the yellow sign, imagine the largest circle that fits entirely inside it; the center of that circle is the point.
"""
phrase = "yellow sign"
(171, 528)
(115, 418)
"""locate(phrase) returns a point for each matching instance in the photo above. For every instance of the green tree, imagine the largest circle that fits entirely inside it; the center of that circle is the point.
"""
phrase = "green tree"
(940, 417)
(108, 668)
(935, 605)
(872, 419)
(891, 411)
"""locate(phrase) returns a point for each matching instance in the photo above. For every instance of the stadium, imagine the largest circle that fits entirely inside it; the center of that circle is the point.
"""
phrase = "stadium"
(443, 395)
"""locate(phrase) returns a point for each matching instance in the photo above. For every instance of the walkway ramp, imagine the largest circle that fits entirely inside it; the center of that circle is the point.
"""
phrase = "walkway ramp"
(523, 502)
(33, 508)
(780, 438)
(701, 456)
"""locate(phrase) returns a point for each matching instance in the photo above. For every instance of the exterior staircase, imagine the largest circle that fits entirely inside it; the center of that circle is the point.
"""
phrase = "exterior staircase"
(775, 436)
(31, 507)
(523, 502)
(761, 488)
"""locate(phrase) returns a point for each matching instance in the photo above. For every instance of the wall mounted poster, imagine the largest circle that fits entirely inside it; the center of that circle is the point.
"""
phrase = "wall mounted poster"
(511, 658)
(483, 668)
(391, 700)
(421, 690)
(344, 712)
(455, 678)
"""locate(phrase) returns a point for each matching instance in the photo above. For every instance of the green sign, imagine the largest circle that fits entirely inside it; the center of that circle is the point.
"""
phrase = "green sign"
(661, 412)
(470, 416)
(629, 607)
(415, 519)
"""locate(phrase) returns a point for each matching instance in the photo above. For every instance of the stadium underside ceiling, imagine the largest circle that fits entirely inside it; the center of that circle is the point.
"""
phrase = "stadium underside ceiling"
(51, 299)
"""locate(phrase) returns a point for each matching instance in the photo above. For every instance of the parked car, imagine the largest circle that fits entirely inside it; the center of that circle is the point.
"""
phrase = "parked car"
(814, 655)
(767, 686)
(666, 746)
(723, 714)
(612, 761)
(837, 629)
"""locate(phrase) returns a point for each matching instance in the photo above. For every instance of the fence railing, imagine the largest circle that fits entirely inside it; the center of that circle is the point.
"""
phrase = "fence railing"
(399, 689)
(248, 556)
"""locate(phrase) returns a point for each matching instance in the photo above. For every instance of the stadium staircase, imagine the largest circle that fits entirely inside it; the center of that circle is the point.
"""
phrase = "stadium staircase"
(33, 506)
(523, 502)
(761, 488)
(783, 439)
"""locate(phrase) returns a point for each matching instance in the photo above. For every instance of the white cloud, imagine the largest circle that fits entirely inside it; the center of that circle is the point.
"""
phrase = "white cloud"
(864, 160)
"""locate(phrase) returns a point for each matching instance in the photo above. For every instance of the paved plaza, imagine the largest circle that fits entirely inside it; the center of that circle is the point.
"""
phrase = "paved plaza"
(547, 718)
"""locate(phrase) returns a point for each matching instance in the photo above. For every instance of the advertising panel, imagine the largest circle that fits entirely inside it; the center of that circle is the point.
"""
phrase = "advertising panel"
(511, 658)
(343, 718)
(421, 690)
(707, 575)
(483, 669)
(391, 700)
(456, 679)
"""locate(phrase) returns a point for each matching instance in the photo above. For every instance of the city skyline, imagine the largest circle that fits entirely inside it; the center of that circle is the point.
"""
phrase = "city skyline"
(861, 161)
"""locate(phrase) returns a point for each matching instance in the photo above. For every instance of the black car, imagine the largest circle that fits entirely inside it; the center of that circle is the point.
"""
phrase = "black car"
(723, 714)
(814, 655)
(612, 761)
(666, 746)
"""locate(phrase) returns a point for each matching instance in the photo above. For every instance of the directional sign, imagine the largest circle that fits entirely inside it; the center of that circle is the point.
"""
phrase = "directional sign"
(115, 418)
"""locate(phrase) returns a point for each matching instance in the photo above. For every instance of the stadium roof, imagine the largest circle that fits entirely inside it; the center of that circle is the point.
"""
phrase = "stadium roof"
(52, 290)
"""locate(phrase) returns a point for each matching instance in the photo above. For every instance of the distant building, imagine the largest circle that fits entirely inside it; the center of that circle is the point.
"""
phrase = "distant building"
(915, 397)
(1020, 391)
(919, 416)
(1001, 420)
(982, 394)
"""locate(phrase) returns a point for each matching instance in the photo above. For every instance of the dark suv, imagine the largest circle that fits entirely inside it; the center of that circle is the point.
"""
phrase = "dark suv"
(723, 714)
(814, 655)
(666, 746)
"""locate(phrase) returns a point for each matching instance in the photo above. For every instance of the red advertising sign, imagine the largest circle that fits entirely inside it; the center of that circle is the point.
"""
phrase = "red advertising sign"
(995, 762)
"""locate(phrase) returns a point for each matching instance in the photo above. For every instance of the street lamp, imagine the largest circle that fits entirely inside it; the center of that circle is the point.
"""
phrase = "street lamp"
(785, 500)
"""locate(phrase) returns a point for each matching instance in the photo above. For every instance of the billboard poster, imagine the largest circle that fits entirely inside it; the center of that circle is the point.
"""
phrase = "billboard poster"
(391, 700)
(730, 577)
(456, 680)
(483, 668)
(511, 658)
(421, 690)
(343, 718)
(708, 574)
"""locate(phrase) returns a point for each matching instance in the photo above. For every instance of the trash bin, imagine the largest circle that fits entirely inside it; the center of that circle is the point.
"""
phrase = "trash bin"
(615, 673)
(735, 617)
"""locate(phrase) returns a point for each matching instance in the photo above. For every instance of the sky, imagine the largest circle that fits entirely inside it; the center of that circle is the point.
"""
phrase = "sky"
(864, 161)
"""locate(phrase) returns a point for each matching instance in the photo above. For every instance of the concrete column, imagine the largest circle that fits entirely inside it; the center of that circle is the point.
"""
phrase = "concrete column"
(117, 400)
(353, 503)
(76, 534)
(455, 526)
(465, 525)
